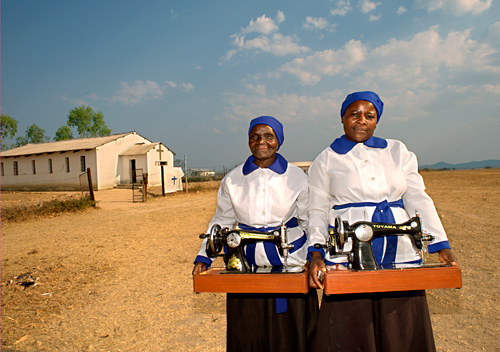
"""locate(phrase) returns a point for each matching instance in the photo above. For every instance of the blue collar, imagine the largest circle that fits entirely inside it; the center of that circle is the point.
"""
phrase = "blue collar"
(344, 146)
(279, 166)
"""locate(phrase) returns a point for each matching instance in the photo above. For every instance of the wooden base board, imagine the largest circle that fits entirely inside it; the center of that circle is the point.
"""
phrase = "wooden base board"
(212, 280)
(347, 281)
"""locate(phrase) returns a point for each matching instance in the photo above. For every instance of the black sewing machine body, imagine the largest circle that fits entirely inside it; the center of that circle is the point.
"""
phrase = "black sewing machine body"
(233, 242)
(362, 233)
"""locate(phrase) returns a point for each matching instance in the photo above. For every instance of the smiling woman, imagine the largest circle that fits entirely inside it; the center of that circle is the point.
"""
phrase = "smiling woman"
(263, 145)
(362, 175)
(261, 194)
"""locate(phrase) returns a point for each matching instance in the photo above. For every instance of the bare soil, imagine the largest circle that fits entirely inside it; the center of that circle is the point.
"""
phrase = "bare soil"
(118, 278)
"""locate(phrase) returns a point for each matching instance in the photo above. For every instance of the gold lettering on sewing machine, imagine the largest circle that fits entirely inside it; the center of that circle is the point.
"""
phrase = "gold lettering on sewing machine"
(255, 236)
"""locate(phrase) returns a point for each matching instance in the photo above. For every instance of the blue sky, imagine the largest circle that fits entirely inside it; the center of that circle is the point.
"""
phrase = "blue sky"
(192, 74)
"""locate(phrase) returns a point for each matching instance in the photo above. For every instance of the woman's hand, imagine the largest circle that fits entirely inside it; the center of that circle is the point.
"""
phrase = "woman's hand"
(199, 267)
(445, 256)
(317, 265)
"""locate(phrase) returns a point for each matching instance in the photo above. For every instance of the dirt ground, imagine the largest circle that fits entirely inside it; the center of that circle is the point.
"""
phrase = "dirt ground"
(118, 278)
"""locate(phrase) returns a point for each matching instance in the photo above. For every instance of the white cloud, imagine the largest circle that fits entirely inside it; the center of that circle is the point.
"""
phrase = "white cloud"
(229, 55)
(494, 33)
(457, 7)
(415, 63)
(329, 62)
(373, 18)
(280, 17)
(77, 102)
(277, 44)
(267, 40)
(343, 7)
(401, 10)
(136, 92)
(262, 24)
(291, 108)
(258, 89)
(315, 23)
(367, 6)
(187, 87)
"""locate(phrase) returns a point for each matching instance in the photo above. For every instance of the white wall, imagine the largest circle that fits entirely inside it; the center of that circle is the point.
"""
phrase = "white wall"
(108, 168)
(59, 179)
(108, 162)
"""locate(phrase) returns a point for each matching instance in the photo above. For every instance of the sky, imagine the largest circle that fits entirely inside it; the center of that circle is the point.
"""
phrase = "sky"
(192, 74)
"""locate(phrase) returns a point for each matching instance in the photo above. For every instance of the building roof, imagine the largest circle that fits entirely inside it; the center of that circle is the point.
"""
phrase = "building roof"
(139, 149)
(63, 146)
(301, 163)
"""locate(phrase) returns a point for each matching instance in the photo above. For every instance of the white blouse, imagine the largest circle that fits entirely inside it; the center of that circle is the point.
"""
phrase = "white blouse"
(264, 198)
(373, 171)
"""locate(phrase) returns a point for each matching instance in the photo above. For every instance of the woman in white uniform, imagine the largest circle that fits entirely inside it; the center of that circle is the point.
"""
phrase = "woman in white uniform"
(261, 194)
(360, 177)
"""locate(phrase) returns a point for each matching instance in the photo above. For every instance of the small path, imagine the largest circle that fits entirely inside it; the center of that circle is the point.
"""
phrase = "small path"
(114, 198)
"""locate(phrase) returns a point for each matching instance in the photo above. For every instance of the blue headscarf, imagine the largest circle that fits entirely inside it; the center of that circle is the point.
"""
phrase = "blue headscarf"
(271, 122)
(368, 96)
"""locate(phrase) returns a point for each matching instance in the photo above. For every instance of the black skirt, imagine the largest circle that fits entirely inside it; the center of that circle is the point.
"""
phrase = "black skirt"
(375, 322)
(254, 325)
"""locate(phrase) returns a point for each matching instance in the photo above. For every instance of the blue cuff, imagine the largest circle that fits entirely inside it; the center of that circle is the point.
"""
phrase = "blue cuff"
(204, 260)
(433, 248)
(312, 249)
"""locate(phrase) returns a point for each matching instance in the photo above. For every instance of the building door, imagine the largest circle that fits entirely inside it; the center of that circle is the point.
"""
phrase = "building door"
(134, 170)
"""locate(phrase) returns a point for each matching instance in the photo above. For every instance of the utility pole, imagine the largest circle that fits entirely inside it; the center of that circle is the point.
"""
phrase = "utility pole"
(186, 172)
(162, 173)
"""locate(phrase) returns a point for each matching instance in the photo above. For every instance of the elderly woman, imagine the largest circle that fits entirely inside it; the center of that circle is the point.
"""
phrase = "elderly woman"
(360, 177)
(261, 194)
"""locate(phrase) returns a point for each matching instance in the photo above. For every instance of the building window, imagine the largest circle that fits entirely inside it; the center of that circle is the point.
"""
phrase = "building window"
(33, 166)
(50, 166)
(82, 163)
(2, 169)
(16, 170)
(67, 164)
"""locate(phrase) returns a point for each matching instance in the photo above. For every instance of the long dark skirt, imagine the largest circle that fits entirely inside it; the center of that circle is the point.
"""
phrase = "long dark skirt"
(386, 321)
(254, 325)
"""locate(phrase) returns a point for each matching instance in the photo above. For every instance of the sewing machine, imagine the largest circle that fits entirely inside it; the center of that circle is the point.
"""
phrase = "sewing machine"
(362, 233)
(233, 241)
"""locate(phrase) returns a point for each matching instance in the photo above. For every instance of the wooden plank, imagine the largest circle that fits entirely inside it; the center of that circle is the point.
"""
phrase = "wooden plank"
(212, 280)
(347, 281)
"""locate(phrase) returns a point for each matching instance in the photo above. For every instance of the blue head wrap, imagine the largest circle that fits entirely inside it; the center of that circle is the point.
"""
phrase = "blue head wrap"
(271, 122)
(368, 96)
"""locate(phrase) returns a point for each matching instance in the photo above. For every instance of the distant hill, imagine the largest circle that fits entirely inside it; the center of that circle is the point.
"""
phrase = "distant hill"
(463, 166)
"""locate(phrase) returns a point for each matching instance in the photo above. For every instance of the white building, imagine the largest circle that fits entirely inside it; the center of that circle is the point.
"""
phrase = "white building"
(200, 172)
(113, 160)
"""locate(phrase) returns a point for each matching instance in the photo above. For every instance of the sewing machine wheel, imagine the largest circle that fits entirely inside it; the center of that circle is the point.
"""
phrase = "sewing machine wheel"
(214, 240)
(364, 232)
(340, 229)
(233, 239)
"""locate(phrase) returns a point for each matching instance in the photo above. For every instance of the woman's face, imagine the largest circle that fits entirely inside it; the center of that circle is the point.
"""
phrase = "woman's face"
(263, 145)
(359, 120)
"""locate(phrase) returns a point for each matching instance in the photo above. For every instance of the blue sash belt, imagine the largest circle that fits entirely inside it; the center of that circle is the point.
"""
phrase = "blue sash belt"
(383, 214)
(272, 253)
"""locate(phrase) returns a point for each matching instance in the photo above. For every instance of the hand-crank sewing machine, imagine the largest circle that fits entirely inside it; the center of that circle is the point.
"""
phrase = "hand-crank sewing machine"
(233, 241)
(363, 273)
(250, 279)
(362, 234)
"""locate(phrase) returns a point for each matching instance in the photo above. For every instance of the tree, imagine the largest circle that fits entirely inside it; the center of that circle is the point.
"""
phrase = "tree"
(34, 134)
(63, 133)
(8, 129)
(88, 122)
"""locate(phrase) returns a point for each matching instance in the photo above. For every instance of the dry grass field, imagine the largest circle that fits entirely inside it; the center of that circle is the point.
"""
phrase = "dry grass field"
(118, 277)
